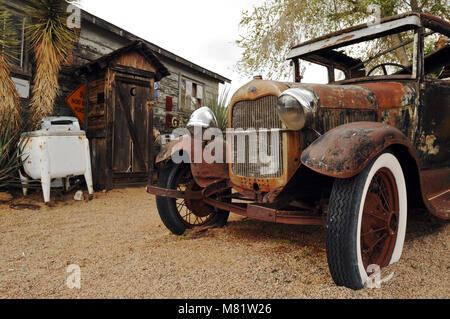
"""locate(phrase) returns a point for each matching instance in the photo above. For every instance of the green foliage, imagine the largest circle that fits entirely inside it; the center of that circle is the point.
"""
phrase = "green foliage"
(51, 42)
(10, 149)
(9, 45)
(219, 104)
(220, 107)
(9, 49)
(48, 22)
(270, 30)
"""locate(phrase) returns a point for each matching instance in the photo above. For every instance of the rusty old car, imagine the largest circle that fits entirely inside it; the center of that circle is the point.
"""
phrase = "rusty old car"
(355, 154)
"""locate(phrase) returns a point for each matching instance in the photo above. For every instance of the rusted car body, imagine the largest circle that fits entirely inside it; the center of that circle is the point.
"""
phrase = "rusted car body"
(348, 126)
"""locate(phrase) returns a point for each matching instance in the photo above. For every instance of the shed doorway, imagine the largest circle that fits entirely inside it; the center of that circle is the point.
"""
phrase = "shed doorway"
(131, 131)
(118, 115)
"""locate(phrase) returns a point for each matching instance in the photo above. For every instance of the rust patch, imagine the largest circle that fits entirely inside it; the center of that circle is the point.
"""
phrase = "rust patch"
(343, 96)
(346, 150)
(257, 89)
(427, 145)
(392, 94)
(405, 119)
(206, 174)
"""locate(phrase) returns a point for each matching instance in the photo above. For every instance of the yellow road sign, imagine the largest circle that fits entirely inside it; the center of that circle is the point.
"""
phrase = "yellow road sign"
(76, 102)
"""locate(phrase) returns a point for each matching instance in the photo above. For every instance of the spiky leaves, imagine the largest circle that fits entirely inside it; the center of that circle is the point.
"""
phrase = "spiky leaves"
(10, 149)
(9, 98)
(51, 42)
(220, 107)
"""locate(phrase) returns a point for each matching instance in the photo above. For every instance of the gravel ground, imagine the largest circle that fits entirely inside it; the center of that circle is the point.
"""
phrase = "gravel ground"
(124, 251)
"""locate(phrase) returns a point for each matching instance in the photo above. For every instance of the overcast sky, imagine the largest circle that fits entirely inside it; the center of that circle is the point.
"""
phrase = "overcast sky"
(201, 31)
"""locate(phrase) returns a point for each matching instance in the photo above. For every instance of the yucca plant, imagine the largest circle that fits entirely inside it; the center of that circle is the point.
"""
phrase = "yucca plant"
(219, 104)
(51, 42)
(10, 109)
(10, 150)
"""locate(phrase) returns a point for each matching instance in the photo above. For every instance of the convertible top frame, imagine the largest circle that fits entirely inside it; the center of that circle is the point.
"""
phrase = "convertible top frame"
(368, 31)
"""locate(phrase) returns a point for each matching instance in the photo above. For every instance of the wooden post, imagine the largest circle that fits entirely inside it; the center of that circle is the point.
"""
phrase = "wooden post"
(298, 77)
(110, 105)
(151, 155)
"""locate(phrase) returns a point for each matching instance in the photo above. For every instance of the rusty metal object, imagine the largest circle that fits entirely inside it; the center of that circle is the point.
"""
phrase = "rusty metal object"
(406, 113)
(344, 97)
(364, 32)
(380, 219)
(435, 23)
(183, 143)
(197, 206)
(292, 141)
(256, 89)
(206, 174)
(436, 190)
(203, 173)
(346, 150)
(173, 193)
(200, 201)
(391, 95)
(282, 217)
(193, 212)
(359, 33)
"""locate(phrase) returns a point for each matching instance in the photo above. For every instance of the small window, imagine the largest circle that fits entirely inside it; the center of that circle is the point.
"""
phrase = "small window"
(101, 98)
(156, 91)
(315, 73)
(437, 47)
(191, 95)
(339, 75)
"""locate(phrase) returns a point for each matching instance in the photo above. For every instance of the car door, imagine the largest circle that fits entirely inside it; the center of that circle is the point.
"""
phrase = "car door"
(433, 144)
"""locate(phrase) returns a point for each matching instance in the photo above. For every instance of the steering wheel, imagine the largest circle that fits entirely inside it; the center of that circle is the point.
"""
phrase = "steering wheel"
(383, 65)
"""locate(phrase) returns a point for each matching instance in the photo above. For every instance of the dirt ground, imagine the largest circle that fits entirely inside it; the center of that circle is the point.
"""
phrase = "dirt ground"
(125, 251)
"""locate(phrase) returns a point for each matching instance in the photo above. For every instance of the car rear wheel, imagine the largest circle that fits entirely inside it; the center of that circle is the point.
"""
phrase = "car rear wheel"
(366, 221)
(181, 214)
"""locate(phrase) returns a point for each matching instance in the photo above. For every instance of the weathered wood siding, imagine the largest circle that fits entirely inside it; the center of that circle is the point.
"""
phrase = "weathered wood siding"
(93, 44)
(170, 86)
(98, 38)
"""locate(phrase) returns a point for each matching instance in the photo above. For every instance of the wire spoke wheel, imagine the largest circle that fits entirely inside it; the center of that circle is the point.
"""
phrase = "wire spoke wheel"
(380, 217)
(366, 221)
(184, 213)
(192, 212)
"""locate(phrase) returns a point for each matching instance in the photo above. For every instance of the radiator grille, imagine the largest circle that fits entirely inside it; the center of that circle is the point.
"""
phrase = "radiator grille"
(258, 114)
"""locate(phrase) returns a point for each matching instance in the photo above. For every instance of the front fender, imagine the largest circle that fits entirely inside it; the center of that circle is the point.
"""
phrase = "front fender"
(184, 143)
(346, 150)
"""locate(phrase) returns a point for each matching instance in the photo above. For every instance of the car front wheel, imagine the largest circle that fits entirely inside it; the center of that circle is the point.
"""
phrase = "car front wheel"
(366, 221)
(181, 214)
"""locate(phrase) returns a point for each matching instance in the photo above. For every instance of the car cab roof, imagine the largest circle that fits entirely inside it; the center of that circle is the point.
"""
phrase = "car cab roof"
(369, 31)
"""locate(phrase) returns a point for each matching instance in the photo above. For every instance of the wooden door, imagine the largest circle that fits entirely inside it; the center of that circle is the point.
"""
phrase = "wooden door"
(131, 128)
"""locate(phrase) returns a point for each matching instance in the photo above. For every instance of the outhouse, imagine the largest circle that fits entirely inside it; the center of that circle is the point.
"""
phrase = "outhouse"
(118, 114)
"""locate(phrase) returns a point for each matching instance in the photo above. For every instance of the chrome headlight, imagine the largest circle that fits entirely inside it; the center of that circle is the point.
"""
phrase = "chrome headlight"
(296, 107)
(203, 117)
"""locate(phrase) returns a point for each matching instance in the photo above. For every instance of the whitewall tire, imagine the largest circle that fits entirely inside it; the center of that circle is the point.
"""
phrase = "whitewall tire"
(366, 222)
